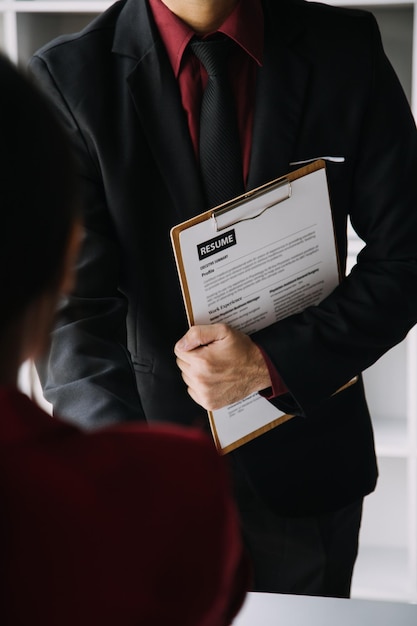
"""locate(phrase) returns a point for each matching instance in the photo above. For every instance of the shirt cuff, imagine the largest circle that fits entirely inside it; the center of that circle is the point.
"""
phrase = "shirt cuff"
(278, 386)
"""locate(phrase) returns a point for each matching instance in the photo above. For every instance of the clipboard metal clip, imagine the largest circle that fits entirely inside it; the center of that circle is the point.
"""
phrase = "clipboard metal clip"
(251, 205)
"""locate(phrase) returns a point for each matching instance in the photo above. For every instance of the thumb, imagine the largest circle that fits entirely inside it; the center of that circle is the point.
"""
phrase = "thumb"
(198, 336)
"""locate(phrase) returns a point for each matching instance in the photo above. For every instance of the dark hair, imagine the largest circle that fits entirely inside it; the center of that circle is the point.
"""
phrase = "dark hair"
(38, 202)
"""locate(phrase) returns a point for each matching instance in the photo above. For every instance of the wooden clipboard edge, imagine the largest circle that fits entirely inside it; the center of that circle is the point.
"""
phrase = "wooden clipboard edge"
(253, 435)
(350, 382)
(175, 239)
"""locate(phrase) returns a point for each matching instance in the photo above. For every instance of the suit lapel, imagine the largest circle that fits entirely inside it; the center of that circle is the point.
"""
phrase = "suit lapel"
(157, 101)
(280, 98)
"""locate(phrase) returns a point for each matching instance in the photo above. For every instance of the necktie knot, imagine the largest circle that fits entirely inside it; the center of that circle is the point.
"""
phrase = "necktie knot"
(213, 54)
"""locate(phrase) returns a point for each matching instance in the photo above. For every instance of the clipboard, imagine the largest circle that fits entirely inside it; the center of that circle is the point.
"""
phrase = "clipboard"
(244, 263)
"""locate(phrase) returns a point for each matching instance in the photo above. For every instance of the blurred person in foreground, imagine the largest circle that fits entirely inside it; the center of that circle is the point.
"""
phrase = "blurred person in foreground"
(129, 525)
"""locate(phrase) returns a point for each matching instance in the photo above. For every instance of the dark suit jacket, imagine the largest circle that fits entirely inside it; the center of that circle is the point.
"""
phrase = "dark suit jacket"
(325, 89)
(112, 527)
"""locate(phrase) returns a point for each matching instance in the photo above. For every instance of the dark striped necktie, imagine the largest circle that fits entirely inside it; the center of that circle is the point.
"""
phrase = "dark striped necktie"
(220, 149)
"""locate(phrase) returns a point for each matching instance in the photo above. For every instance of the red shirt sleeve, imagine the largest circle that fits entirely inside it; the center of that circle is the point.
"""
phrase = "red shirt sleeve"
(278, 386)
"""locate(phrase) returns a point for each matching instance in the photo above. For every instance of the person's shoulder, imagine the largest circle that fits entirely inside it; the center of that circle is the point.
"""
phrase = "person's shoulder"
(163, 441)
(100, 28)
(319, 10)
(311, 14)
(169, 456)
(321, 32)
(25, 422)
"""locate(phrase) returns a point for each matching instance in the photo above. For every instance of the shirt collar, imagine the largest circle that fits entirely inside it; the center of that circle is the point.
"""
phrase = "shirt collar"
(244, 25)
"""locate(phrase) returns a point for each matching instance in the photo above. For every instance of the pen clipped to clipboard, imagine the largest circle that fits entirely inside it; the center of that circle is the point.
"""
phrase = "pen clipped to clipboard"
(251, 262)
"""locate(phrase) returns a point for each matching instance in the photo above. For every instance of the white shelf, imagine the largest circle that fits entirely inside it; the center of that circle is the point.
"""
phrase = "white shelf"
(382, 573)
(371, 4)
(387, 563)
(55, 6)
(391, 437)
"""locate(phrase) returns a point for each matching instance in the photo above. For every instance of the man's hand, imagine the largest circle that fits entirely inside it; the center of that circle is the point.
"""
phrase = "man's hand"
(220, 365)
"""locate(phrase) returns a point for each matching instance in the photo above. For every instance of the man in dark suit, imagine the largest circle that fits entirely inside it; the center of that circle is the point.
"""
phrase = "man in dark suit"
(309, 81)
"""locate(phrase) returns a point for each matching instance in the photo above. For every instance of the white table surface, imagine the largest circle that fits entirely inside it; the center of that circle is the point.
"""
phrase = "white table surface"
(268, 609)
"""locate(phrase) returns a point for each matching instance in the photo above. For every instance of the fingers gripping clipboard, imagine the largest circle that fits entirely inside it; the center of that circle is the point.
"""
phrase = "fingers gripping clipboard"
(251, 262)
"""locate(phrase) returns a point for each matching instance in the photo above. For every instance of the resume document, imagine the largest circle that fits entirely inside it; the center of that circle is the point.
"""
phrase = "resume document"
(253, 262)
